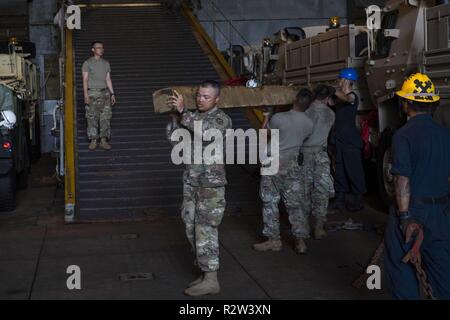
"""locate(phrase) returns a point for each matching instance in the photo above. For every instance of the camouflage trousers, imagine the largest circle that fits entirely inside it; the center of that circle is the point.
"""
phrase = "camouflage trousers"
(317, 183)
(202, 212)
(98, 114)
(284, 185)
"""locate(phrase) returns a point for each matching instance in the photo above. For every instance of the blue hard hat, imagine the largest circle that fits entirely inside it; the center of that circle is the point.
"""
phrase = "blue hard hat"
(349, 74)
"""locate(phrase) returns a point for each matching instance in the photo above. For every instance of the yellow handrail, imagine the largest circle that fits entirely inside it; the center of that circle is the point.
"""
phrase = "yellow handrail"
(69, 139)
(212, 47)
(255, 117)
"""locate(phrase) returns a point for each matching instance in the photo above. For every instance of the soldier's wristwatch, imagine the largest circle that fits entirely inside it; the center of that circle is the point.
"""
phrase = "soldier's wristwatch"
(403, 215)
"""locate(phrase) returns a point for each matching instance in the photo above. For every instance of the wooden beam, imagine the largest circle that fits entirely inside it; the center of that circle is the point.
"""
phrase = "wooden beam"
(231, 97)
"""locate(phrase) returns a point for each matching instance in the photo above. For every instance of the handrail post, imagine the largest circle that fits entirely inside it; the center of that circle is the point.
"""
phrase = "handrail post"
(214, 22)
(231, 44)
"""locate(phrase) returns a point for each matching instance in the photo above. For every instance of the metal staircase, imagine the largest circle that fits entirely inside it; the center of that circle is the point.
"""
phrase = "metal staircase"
(148, 48)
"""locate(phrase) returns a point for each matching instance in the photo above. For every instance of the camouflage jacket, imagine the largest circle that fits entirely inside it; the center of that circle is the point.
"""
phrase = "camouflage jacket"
(203, 175)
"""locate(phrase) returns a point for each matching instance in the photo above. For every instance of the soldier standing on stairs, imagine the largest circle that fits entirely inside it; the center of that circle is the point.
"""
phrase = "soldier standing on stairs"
(98, 97)
(203, 186)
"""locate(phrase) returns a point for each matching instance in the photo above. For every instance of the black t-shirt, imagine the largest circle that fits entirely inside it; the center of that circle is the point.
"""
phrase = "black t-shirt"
(345, 124)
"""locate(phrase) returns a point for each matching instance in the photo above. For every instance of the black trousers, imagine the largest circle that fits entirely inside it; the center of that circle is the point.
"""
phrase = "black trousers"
(349, 175)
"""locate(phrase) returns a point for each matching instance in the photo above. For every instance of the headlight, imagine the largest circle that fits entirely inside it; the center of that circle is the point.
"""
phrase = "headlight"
(252, 83)
(8, 119)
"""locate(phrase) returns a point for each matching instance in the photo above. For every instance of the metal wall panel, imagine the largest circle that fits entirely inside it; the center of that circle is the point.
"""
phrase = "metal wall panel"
(257, 19)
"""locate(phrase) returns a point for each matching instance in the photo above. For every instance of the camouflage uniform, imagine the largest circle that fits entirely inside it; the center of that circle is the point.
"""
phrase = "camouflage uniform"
(204, 193)
(285, 184)
(315, 170)
(99, 109)
(317, 182)
(294, 127)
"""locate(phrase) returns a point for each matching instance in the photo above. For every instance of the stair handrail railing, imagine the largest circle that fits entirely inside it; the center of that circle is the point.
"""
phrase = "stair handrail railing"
(232, 28)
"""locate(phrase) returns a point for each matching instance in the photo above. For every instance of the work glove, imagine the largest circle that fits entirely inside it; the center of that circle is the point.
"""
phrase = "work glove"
(410, 227)
(267, 111)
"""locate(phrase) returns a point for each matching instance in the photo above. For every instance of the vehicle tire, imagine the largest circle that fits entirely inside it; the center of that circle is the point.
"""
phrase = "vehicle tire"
(8, 192)
(386, 190)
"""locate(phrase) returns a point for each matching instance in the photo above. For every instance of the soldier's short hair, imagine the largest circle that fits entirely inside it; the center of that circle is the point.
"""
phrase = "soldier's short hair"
(303, 99)
(323, 91)
(95, 42)
(211, 84)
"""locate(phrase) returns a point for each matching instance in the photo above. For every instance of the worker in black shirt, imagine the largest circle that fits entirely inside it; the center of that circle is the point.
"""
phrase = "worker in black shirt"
(349, 175)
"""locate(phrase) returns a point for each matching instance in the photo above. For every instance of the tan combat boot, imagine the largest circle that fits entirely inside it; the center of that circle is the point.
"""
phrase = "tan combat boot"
(196, 281)
(319, 231)
(270, 244)
(300, 246)
(93, 144)
(199, 279)
(209, 285)
(104, 144)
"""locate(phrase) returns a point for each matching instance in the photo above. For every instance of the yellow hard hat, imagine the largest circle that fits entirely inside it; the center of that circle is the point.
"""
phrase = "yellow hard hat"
(418, 87)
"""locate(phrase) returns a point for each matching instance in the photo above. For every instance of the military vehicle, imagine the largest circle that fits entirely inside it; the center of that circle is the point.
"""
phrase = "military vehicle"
(410, 36)
(19, 142)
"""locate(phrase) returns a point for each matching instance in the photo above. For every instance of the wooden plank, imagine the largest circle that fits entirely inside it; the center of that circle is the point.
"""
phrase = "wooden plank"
(231, 97)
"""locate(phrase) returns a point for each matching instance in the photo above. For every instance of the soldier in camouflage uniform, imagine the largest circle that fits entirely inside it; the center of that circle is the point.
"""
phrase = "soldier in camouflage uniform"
(315, 171)
(294, 127)
(203, 188)
(98, 97)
